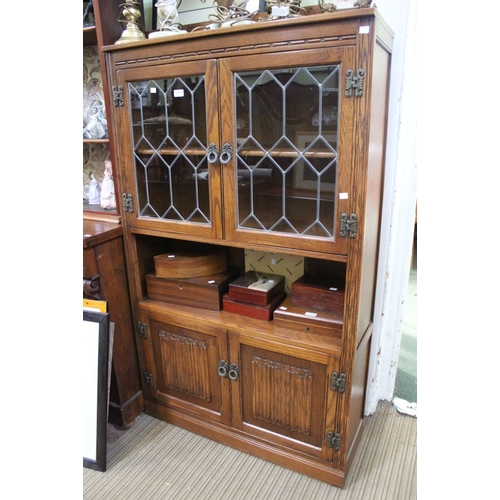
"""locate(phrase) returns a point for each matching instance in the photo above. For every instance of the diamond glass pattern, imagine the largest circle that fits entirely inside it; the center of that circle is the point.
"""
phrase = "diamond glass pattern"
(169, 136)
(287, 149)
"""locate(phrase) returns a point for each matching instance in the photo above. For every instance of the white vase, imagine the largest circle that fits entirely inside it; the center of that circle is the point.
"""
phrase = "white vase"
(167, 13)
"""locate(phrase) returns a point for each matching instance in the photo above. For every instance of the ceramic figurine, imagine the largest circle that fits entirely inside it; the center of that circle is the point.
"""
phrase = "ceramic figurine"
(96, 124)
(94, 191)
(108, 200)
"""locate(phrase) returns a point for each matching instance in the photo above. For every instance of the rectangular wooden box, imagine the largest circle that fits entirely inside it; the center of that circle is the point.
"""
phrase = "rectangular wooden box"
(203, 292)
(318, 294)
(256, 287)
(291, 317)
(263, 312)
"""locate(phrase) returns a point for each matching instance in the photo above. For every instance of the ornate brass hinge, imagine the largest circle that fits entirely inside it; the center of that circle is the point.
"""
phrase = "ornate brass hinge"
(142, 330)
(148, 379)
(128, 204)
(118, 96)
(348, 225)
(355, 82)
(333, 440)
(337, 382)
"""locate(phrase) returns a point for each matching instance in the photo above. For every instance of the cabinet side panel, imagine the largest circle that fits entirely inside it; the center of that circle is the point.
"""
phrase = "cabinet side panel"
(111, 262)
(126, 383)
(360, 373)
(376, 159)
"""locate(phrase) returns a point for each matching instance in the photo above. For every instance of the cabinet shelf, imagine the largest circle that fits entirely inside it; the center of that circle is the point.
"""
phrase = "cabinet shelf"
(171, 151)
(105, 140)
(257, 246)
(281, 153)
(256, 153)
(90, 35)
(265, 330)
(298, 194)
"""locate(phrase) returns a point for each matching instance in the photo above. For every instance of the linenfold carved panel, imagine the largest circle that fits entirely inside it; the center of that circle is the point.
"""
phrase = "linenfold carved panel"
(186, 364)
(282, 394)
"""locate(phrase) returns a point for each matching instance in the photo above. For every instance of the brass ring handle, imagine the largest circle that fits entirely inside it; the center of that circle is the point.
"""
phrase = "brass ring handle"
(212, 153)
(222, 370)
(234, 371)
(227, 153)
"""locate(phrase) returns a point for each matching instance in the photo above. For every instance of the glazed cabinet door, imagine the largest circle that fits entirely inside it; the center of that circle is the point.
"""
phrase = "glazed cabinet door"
(183, 366)
(281, 394)
(291, 128)
(172, 179)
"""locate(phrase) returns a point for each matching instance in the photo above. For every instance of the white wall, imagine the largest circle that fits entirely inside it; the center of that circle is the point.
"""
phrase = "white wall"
(399, 203)
(399, 194)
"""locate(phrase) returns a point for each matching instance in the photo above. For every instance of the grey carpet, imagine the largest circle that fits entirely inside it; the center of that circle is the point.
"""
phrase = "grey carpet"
(156, 460)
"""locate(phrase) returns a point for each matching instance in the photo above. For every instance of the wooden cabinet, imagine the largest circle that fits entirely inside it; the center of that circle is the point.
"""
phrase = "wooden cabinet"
(104, 268)
(262, 138)
(105, 278)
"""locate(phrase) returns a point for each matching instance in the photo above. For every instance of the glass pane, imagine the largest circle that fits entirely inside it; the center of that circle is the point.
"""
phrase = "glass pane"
(287, 149)
(170, 142)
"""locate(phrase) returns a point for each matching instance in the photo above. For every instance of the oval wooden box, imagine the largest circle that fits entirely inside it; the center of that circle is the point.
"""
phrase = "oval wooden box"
(189, 265)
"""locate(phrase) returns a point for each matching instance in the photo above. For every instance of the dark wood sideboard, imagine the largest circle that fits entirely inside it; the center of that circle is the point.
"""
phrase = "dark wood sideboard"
(105, 278)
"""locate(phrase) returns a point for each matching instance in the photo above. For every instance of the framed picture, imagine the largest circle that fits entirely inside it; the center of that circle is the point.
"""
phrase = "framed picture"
(303, 177)
(95, 360)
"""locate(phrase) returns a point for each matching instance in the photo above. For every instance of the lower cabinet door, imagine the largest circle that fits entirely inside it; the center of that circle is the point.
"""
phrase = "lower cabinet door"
(282, 394)
(185, 364)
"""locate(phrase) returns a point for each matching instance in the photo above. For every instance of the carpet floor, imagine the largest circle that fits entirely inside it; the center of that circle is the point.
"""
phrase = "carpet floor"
(156, 460)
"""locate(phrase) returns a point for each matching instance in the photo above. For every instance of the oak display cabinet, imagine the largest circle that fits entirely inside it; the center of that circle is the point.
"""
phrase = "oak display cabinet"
(267, 137)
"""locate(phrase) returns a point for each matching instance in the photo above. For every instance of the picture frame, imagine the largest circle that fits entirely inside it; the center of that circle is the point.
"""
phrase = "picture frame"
(301, 180)
(95, 343)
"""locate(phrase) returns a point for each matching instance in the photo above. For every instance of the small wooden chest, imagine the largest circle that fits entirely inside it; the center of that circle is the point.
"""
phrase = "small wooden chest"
(264, 312)
(203, 292)
(256, 288)
(189, 264)
(317, 294)
(292, 317)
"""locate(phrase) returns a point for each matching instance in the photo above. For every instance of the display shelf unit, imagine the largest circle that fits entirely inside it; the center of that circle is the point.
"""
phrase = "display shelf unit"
(269, 140)
(104, 269)
(105, 31)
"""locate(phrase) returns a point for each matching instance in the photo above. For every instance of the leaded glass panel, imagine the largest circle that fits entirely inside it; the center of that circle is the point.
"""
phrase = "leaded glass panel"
(170, 142)
(287, 149)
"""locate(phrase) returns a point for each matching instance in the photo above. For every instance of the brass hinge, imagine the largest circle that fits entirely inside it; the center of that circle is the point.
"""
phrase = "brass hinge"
(128, 204)
(337, 382)
(148, 379)
(118, 96)
(333, 440)
(141, 330)
(348, 225)
(355, 82)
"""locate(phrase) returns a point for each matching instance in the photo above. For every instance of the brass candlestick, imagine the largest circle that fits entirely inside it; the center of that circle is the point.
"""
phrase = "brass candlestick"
(130, 13)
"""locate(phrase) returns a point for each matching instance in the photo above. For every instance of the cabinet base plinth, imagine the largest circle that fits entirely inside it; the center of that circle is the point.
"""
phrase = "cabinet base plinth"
(247, 444)
(123, 416)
